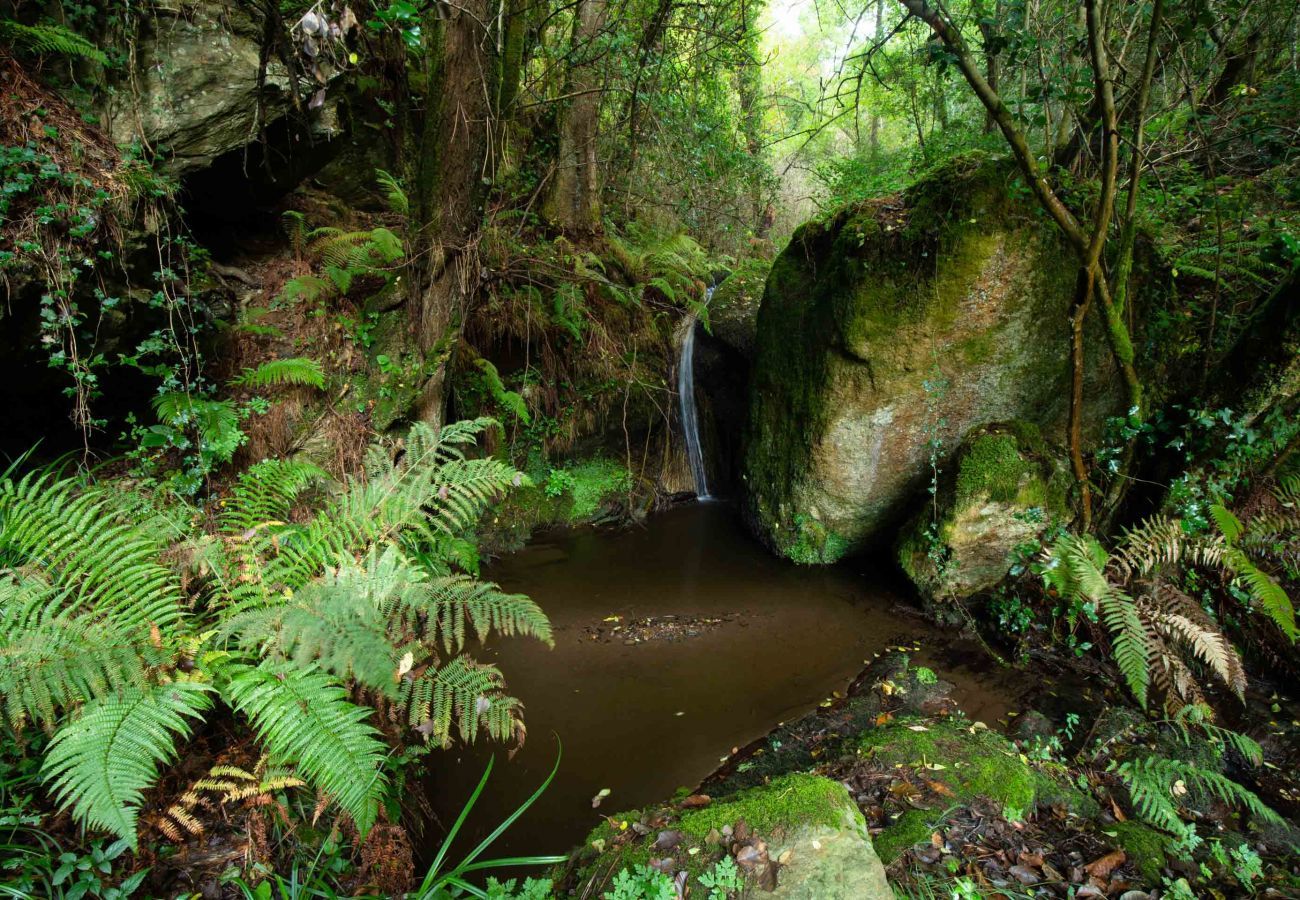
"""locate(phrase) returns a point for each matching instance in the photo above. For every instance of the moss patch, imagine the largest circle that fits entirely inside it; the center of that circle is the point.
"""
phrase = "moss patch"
(1145, 846)
(773, 810)
(788, 803)
(975, 764)
(814, 543)
(911, 828)
(993, 467)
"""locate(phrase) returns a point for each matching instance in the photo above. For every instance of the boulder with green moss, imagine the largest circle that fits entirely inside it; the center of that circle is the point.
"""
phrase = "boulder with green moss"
(1004, 488)
(800, 834)
(733, 309)
(890, 330)
(974, 765)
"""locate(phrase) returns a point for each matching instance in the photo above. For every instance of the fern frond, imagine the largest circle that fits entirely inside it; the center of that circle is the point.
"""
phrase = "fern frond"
(464, 693)
(280, 372)
(54, 656)
(266, 493)
(304, 717)
(67, 531)
(101, 763)
(394, 193)
(1153, 780)
(1264, 590)
(47, 39)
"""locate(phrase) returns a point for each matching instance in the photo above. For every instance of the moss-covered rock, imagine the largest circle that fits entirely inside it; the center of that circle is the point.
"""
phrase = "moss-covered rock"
(733, 310)
(891, 330)
(1144, 846)
(911, 828)
(810, 824)
(974, 764)
(1005, 488)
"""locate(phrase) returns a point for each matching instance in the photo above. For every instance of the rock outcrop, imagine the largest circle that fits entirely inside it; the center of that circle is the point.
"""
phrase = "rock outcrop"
(193, 92)
(1005, 487)
(799, 837)
(887, 333)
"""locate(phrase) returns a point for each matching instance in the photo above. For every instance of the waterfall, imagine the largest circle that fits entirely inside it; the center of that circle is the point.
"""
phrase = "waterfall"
(690, 416)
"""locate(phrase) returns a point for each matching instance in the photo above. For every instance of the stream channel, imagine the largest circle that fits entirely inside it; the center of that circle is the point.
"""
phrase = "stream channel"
(738, 641)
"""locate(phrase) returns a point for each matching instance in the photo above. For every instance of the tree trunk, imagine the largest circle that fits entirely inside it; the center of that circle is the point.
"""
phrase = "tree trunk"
(573, 202)
(447, 172)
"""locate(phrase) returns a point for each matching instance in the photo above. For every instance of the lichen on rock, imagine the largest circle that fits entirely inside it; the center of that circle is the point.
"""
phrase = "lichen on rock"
(887, 333)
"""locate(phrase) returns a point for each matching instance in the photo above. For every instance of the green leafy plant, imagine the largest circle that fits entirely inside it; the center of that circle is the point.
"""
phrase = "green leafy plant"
(641, 883)
(102, 643)
(49, 39)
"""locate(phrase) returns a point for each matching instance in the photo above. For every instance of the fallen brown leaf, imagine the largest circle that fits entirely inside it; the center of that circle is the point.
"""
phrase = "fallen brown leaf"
(1101, 867)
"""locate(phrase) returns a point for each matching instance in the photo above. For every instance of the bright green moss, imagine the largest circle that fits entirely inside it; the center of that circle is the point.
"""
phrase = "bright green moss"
(786, 804)
(975, 764)
(1145, 846)
(814, 543)
(911, 828)
(992, 467)
(782, 807)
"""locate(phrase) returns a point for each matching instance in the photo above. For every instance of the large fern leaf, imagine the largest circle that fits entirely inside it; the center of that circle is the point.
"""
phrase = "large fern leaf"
(281, 372)
(303, 717)
(101, 763)
(67, 531)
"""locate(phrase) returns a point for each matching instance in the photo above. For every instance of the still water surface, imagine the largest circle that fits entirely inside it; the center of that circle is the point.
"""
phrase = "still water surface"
(642, 719)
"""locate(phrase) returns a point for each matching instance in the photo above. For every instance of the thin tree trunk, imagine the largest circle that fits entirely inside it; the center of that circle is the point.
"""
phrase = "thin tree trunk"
(447, 171)
(573, 203)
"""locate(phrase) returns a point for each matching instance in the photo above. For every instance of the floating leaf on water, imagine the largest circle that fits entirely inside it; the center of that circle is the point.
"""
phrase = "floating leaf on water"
(600, 795)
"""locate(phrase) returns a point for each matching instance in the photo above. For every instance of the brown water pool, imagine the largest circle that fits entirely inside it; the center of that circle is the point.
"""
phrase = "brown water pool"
(715, 643)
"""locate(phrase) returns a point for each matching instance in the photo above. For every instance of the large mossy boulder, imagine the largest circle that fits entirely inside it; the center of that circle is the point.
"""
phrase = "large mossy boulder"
(889, 331)
(799, 837)
(1005, 487)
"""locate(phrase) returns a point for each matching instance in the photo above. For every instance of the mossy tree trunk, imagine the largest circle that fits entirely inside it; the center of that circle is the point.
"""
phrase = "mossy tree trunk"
(447, 170)
(573, 200)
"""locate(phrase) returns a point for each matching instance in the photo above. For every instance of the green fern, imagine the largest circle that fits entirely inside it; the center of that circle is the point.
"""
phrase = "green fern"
(1078, 572)
(48, 39)
(1262, 587)
(281, 372)
(511, 400)
(101, 763)
(54, 656)
(1154, 781)
(304, 718)
(394, 193)
(266, 492)
(104, 564)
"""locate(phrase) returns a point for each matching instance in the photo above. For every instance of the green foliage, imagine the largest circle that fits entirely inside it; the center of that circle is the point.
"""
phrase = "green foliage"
(281, 372)
(508, 399)
(723, 880)
(101, 763)
(1154, 782)
(49, 40)
(100, 642)
(641, 883)
(304, 718)
(1078, 574)
(394, 193)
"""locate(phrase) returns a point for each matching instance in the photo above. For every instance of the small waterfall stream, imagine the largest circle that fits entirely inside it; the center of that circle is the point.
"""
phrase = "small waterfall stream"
(690, 415)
